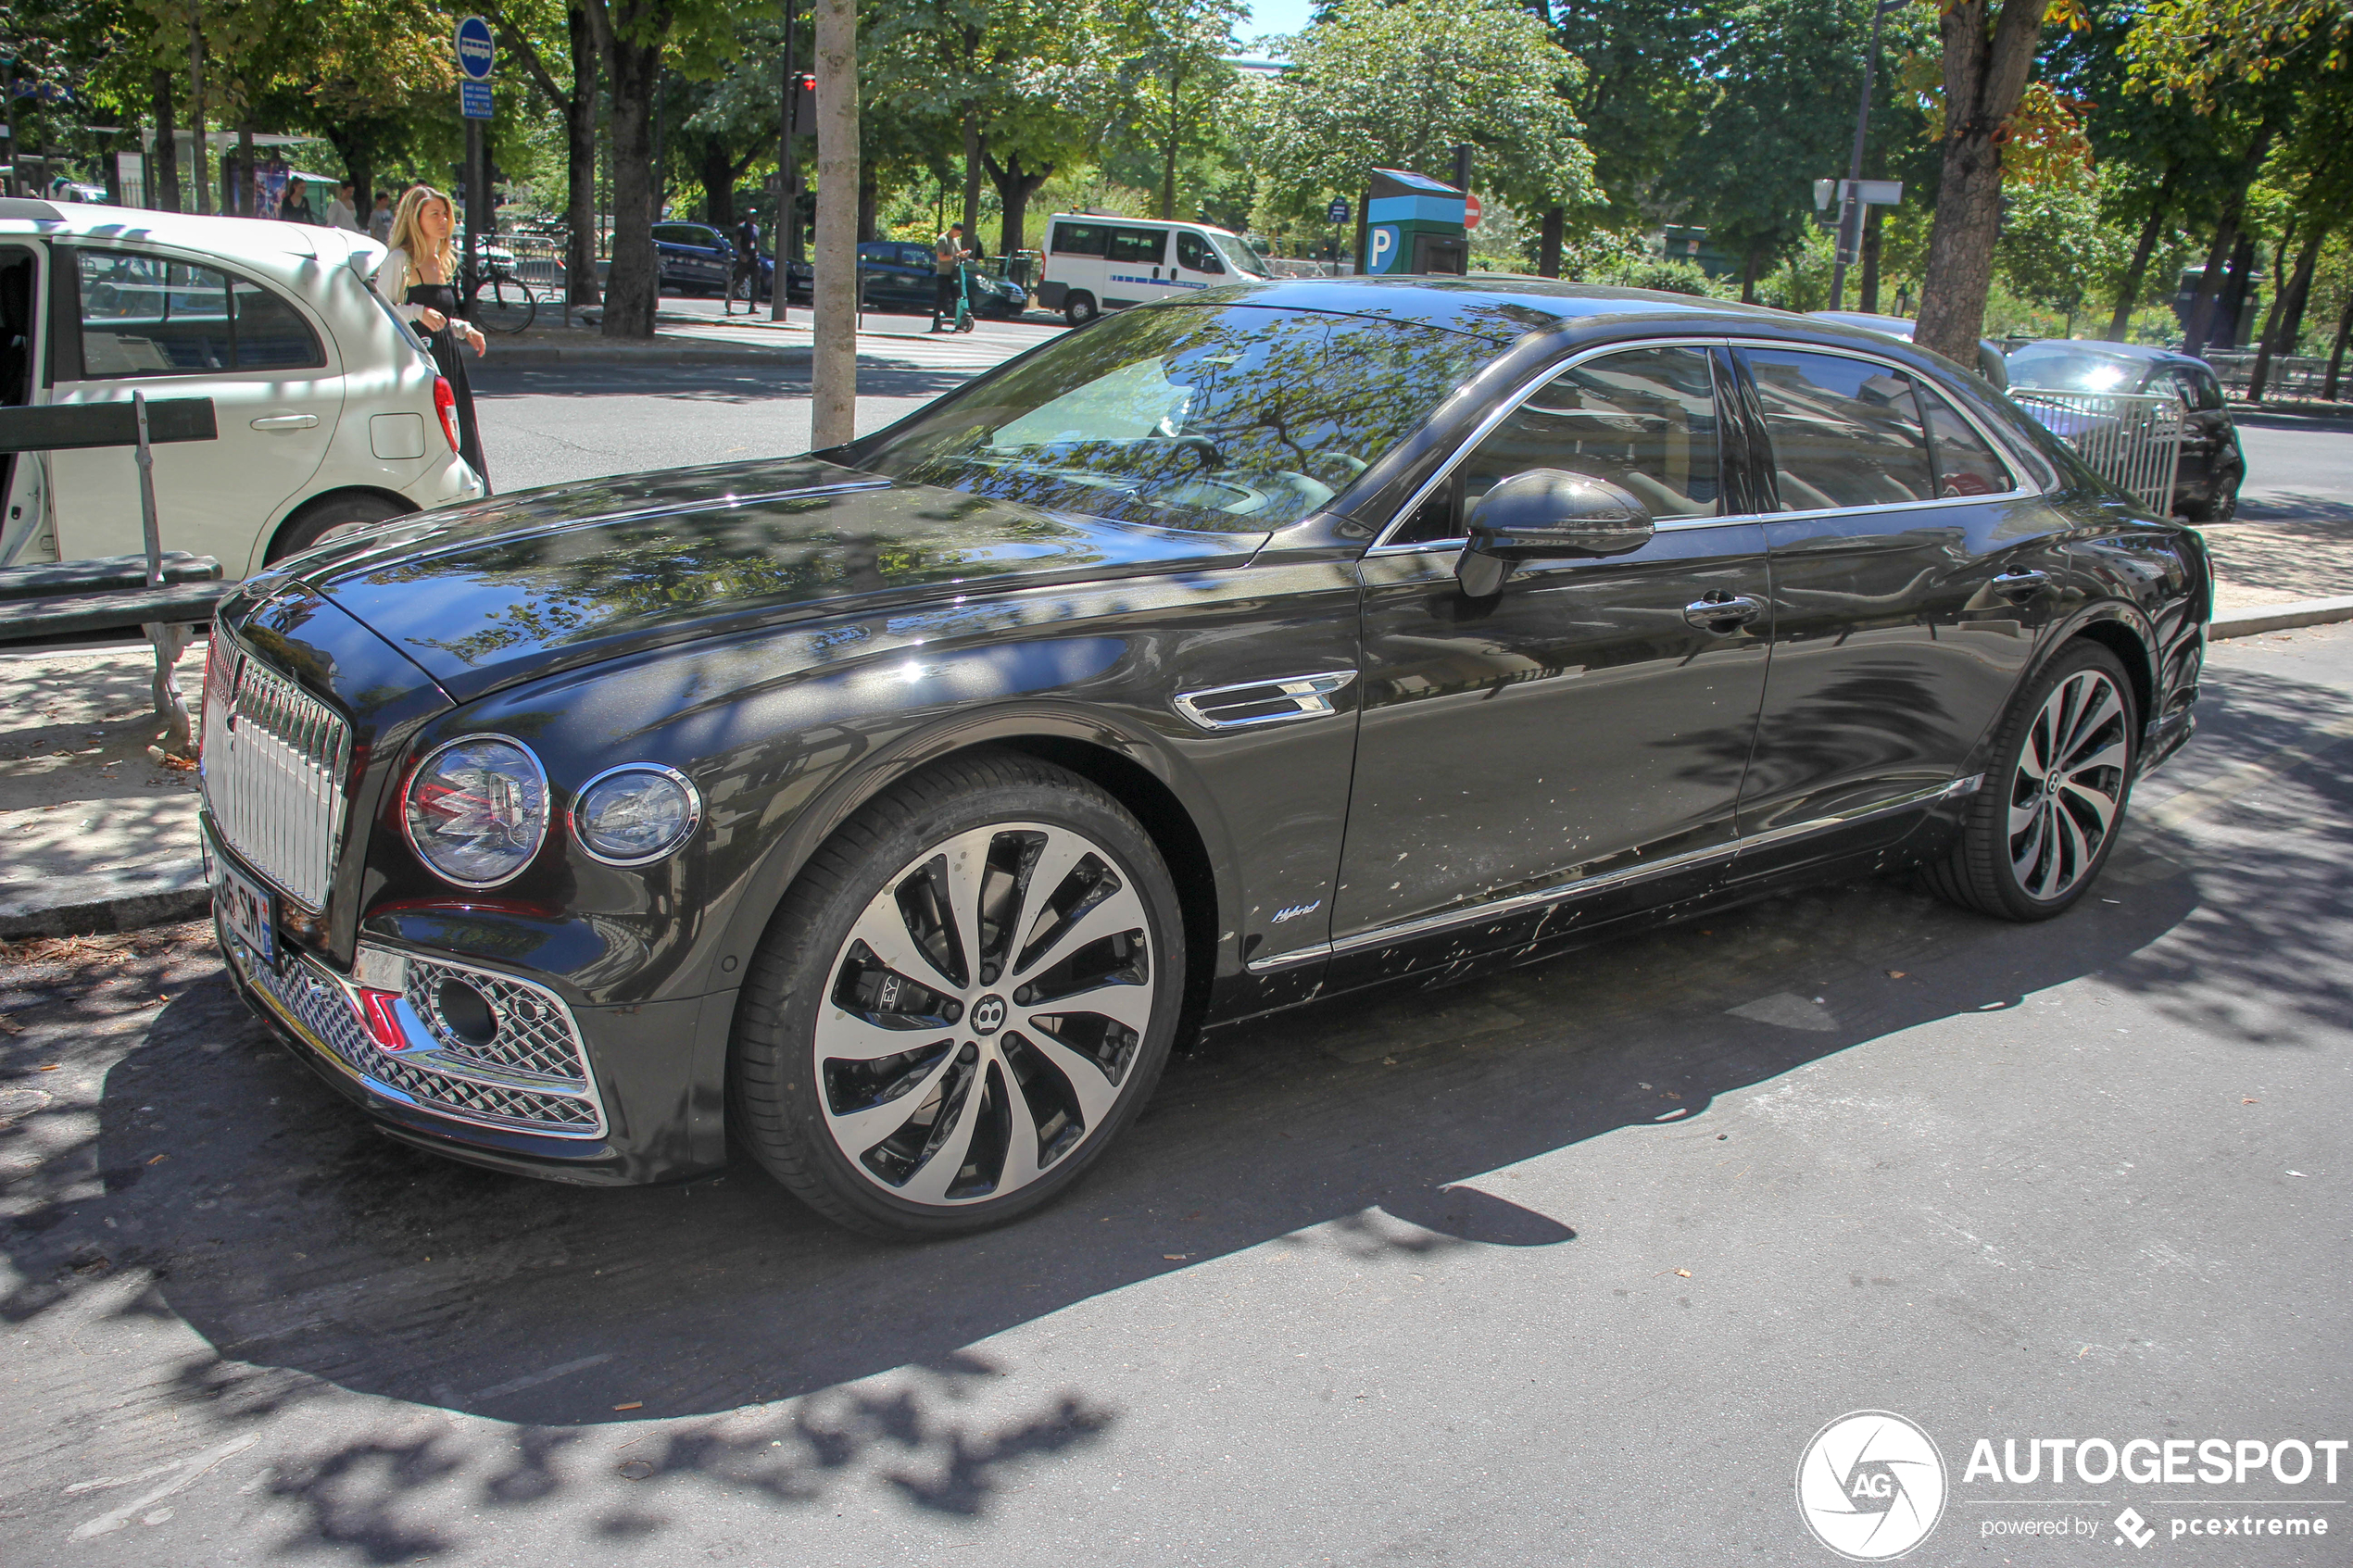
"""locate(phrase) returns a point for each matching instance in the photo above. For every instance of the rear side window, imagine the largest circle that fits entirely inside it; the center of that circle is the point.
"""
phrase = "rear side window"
(1645, 420)
(1193, 251)
(1079, 239)
(1964, 464)
(149, 316)
(1138, 246)
(1845, 432)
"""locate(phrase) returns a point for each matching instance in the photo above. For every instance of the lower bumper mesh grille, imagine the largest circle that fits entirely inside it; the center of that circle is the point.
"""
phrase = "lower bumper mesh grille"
(316, 1004)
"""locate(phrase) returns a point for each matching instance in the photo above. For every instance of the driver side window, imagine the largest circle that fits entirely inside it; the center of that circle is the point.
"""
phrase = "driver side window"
(1643, 420)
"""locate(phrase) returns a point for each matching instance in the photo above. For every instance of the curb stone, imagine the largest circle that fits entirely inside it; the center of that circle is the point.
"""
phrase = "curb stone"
(2278, 618)
(177, 891)
(104, 901)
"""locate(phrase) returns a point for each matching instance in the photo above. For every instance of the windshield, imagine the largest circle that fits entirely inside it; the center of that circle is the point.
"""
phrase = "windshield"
(1233, 418)
(1239, 253)
(2070, 370)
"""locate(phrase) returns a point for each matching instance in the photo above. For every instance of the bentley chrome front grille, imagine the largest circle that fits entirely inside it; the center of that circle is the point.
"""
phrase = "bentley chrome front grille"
(272, 767)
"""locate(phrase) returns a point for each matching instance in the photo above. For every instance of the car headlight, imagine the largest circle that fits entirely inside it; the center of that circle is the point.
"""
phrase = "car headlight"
(477, 809)
(635, 813)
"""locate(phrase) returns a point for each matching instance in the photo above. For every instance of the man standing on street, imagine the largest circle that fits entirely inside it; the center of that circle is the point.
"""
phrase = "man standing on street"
(948, 254)
(746, 274)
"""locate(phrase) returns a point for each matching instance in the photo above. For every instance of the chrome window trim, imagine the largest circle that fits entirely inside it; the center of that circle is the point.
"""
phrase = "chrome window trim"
(693, 815)
(2022, 486)
(1579, 888)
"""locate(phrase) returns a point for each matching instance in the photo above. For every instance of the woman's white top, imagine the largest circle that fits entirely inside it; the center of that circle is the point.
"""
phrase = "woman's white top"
(391, 282)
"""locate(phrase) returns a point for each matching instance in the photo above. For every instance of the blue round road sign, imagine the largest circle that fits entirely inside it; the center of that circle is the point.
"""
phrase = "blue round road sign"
(476, 53)
(1339, 210)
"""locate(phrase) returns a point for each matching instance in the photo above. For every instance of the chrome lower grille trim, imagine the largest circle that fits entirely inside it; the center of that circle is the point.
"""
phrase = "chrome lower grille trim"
(317, 1004)
(272, 767)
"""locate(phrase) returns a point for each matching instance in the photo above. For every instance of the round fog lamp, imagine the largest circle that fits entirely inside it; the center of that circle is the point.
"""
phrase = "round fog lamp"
(635, 814)
(477, 809)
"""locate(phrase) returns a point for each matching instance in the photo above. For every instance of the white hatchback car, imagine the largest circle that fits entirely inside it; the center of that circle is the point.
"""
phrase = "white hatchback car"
(330, 411)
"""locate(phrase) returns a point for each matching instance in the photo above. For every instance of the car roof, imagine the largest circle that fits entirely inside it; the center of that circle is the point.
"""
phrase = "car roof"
(1894, 326)
(2101, 349)
(246, 239)
(1504, 306)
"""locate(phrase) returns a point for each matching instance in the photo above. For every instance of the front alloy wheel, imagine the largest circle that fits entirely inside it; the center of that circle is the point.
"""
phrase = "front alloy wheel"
(974, 1026)
(2036, 835)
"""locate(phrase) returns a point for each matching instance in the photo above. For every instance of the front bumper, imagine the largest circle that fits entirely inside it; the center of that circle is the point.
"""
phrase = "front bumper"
(648, 1106)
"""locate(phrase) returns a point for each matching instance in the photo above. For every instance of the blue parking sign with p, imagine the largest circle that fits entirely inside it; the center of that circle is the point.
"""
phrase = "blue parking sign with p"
(1380, 247)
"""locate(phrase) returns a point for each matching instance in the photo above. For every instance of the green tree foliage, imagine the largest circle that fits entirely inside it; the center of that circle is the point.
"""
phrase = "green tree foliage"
(1400, 85)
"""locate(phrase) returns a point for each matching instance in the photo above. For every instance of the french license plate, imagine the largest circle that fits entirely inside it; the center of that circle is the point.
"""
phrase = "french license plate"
(247, 909)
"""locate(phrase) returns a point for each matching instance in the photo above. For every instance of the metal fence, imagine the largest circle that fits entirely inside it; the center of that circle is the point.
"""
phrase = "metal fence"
(2290, 375)
(2132, 441)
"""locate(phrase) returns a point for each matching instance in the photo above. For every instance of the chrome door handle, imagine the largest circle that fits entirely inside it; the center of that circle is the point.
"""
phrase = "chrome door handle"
(285, 422)
(2018, 585)
(1722, 616)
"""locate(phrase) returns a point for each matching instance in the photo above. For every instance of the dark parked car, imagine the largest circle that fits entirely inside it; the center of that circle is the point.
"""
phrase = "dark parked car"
(697, 259)
(2212, 466)
(898, 275)
(893, 811)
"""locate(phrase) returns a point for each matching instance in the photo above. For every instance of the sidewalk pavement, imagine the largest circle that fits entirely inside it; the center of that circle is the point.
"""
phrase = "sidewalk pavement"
(692, 337)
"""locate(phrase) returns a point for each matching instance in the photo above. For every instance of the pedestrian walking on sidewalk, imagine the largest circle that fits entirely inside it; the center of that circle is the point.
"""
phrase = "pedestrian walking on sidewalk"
(340, 213)
(418, 281)
(380, 221)
(947, 253)
(746, 269)
(295, 205)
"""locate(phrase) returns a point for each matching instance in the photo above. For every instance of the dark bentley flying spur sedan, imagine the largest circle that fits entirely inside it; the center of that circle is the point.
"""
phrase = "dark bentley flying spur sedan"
(892, 810)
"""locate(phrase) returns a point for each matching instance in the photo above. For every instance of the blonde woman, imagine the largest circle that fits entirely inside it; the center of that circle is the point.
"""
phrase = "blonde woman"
(418, 281)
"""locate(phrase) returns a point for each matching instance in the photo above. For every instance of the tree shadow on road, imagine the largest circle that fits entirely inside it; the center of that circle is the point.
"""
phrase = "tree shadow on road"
(294, 1241)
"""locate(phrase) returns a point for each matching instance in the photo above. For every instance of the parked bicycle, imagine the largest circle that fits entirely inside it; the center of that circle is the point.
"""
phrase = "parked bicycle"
(497, 300)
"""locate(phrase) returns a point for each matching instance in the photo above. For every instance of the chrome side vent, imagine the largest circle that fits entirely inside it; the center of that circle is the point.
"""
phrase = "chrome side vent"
(1278, 701)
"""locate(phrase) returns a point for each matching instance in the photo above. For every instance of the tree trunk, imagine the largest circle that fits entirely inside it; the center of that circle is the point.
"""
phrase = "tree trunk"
(199, 179)
(2159, 205)
(2231, 304)
(246, 203)
(633, 293)
(2336, 355)
(2199, 325)
(2299, 289)
(1014, 186)
(975, 145)
(2261, 373)
(1748, 276)
(1548, 253)
(1168, 155)
(580, 165)
(1986, 71)
(833, 369)
(163, 164)
(717, 172)
(1869, 303)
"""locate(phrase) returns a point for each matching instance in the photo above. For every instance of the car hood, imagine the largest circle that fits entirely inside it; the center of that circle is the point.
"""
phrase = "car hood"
(485, 595)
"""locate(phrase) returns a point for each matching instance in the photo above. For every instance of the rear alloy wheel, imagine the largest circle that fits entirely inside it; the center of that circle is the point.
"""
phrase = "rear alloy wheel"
(2036, 835)
(1079, 309)
(325, 518)
(969, 993)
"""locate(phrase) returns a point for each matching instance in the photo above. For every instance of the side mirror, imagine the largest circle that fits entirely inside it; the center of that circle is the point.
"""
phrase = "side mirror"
(1545, 514)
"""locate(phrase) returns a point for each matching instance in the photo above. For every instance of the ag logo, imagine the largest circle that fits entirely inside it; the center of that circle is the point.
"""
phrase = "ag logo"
(1870, 1485)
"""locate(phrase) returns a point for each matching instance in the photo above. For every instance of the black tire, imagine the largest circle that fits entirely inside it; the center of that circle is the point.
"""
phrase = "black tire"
(1078, 308)
(330, 514)
(800, 1110)
(2043, 870)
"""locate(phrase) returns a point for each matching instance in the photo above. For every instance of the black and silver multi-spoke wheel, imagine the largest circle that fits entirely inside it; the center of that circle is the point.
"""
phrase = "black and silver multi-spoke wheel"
(2036, 837)
(968, 993)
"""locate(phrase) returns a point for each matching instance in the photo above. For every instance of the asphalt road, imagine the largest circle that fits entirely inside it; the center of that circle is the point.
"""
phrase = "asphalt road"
(561, 424)
(1562, 1268)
